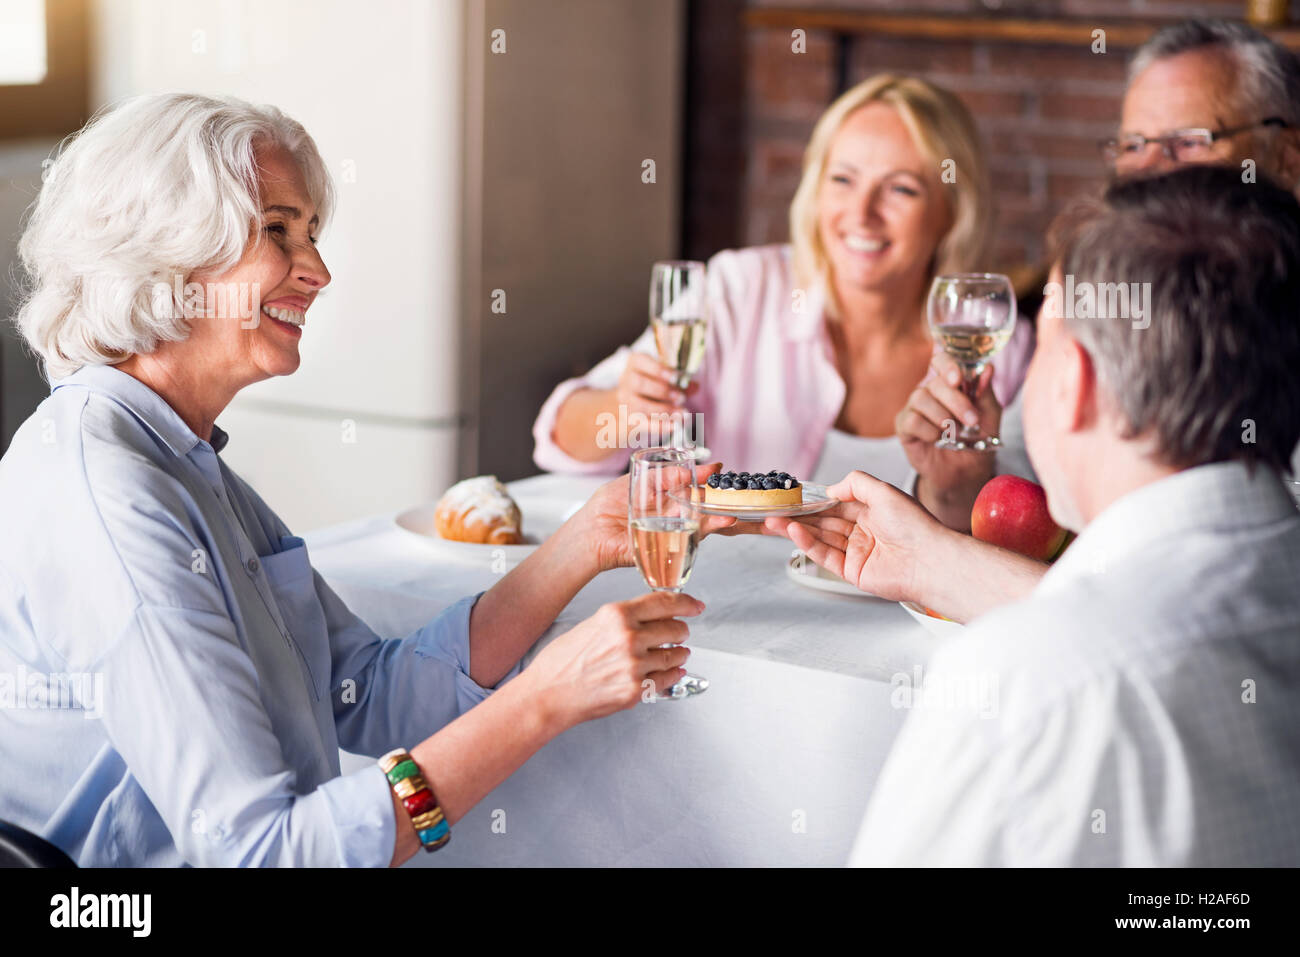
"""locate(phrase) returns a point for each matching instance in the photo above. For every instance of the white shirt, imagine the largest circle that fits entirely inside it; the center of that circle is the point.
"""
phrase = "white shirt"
(1141, 707)
(882, 457)
(885, 459)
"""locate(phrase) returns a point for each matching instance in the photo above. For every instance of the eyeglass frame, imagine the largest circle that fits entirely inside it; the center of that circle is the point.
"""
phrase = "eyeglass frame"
(1166, 140)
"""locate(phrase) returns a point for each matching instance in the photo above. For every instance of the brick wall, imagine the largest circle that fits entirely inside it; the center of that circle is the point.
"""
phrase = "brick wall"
(1040, 109)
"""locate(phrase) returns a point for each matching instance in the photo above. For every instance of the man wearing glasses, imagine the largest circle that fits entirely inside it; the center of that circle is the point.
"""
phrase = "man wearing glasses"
(1199, 92)
(1210, 92)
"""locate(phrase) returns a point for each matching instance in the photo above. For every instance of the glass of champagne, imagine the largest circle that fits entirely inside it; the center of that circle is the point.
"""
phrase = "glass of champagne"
(680, 321)
(973, 315)
(665, 531)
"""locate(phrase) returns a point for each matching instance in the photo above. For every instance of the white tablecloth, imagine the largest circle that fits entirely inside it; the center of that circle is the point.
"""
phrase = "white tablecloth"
(773, 765)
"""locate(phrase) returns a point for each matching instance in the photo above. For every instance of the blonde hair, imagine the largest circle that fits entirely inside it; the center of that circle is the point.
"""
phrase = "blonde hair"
(159, 186)
(942, 129)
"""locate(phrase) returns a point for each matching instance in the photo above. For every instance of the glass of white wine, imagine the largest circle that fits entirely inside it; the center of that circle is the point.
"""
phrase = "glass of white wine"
(665, 531)
(679, 318)
(973, 315)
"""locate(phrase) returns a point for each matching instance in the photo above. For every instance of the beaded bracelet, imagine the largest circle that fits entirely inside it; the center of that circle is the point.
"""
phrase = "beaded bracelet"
(417, 797)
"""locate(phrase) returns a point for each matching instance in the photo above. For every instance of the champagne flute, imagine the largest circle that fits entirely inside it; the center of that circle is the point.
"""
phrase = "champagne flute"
(973, 315)
(680, 322)
(665, 531)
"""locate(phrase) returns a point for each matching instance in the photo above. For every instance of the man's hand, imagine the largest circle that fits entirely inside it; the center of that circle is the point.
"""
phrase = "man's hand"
(883, 542)
(874, 539)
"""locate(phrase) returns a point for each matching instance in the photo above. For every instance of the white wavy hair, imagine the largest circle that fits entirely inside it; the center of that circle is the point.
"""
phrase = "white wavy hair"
(158, 187)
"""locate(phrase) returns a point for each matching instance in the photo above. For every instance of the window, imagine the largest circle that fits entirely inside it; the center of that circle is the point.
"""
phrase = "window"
(44, 74)
(22, 41)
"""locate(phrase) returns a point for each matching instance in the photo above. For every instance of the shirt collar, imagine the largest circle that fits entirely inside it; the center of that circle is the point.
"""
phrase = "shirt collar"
(145, 404)
(1219, 497)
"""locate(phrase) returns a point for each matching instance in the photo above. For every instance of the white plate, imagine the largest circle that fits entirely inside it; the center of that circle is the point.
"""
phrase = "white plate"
(541, 519)
(815, 500)
(939, 627)
(802, 570)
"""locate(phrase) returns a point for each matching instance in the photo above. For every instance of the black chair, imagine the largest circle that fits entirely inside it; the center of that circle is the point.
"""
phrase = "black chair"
(20, 848)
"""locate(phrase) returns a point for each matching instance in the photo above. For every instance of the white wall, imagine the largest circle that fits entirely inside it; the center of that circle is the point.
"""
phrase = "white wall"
(379, 85)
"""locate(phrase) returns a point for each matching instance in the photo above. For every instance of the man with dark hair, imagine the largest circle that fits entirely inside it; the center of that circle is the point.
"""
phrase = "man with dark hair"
(1139, 707)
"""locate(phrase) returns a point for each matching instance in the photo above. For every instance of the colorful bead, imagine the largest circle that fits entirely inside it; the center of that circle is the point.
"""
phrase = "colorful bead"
(409, 786)
(404, 769)
(434, 837)
(428, 819)
(419, 803)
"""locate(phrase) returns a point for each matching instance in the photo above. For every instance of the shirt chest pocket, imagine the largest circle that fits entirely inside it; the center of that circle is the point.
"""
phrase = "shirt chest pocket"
(292, 583)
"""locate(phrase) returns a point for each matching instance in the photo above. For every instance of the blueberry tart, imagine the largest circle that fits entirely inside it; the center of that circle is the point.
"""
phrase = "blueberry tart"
(755, 489)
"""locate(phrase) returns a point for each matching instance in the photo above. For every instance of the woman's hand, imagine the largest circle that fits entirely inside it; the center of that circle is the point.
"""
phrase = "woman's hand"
(949, 480)
(647, 386)
(876, 538)
(644, 389)
(600, 526)
(613, 660)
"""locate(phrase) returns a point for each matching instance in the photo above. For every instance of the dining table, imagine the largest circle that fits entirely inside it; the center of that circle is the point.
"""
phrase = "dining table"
(773, 765)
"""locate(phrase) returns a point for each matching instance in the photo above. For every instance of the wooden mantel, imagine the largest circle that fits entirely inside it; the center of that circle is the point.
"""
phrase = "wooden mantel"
(1068, 32)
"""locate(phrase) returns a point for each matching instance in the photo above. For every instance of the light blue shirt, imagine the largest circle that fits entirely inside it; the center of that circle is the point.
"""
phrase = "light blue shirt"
(175, 678)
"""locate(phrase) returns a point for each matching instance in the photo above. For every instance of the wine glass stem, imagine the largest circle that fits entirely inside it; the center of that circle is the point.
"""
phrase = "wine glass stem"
(679, 432)
(690, 684)
(970, 378)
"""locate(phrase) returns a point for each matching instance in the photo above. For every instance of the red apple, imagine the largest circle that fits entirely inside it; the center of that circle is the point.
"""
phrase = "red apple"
(1012, 512)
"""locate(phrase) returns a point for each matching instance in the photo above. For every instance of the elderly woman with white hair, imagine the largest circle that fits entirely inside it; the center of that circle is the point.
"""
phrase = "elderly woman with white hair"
(224, 673)
(815, 348)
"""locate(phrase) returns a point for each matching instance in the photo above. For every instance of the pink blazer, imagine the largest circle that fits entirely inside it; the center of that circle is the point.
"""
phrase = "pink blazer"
(769, 388)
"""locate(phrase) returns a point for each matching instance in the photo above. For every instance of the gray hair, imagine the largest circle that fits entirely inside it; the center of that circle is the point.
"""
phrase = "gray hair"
(1268, 74)
(160, 187)
(1212, 375)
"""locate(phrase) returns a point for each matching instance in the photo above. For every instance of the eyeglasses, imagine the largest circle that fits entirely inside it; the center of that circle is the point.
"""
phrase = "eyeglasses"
(1180, 145)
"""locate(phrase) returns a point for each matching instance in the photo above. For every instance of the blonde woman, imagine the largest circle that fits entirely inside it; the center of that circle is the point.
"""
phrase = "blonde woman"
(815, 348)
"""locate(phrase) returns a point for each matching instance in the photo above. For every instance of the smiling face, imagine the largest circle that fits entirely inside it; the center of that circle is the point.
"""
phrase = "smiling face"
(281, 275)
(881, 207)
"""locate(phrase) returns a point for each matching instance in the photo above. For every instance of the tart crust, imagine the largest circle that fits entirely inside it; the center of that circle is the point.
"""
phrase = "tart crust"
(755, 498)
